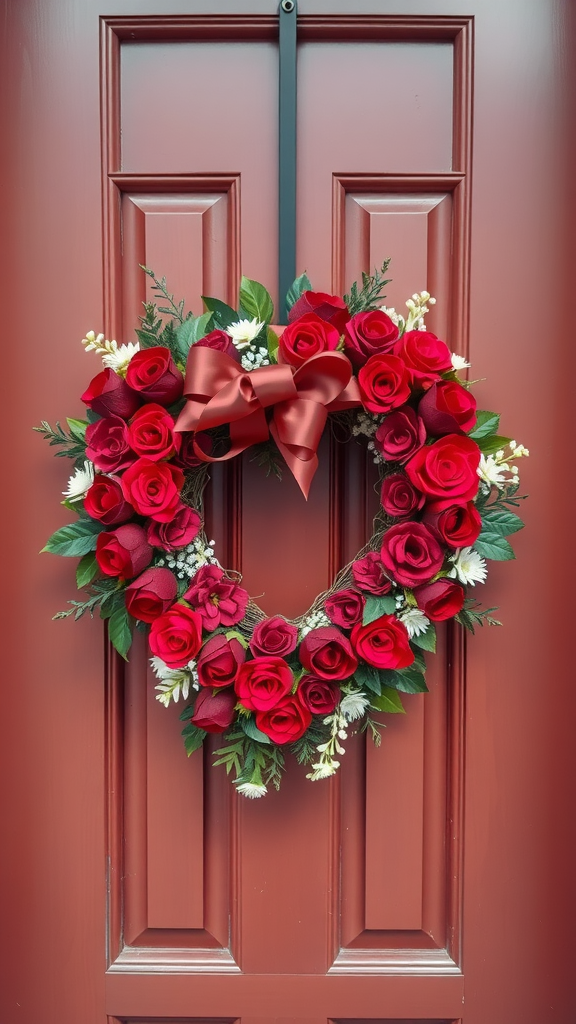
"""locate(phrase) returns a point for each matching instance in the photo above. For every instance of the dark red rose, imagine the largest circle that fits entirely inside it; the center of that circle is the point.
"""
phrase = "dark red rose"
(154, 375)
(367, 334)
(187, 456)
(399, 497)
(383, 643)
(458, 525)
(261, 683)
(214, 710)
(320, 696)
(384, 383)
(425, 356)
(220, 342)
(218, 599)
(447, 469)
(219, 660)
(328, 307)
(180, 531)
(151, 593)
(447, 408)
(176, 636)
(369, 574)
(105, 501)
(400, 435)
(307, 337)
(151, 433)
(286, 722)
(153, 488)
(440, 600)
(326, 653)
(344, 608)
(411, 553)
(107, 444)
(274, 636)
(123, 552)
(109, 395)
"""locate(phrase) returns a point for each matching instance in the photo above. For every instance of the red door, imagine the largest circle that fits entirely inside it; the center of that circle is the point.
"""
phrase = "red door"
(431, 882)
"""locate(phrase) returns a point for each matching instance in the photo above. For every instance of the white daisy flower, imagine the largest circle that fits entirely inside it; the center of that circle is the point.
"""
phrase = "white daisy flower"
(244, 331)
(415, 621)
(469, 566)
(459, 363)
(119, 357)
(252, 790)
(80, 482)
(491, 471)
(353, 706)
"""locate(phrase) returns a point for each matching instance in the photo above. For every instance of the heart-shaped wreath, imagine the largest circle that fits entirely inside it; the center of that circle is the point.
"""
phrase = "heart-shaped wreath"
(196, 390)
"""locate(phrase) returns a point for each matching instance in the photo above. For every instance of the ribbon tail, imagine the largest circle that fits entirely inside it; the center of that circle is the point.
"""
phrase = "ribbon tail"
(302, 470)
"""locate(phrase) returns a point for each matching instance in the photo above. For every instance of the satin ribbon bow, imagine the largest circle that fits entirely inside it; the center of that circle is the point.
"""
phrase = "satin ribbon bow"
(218, 391)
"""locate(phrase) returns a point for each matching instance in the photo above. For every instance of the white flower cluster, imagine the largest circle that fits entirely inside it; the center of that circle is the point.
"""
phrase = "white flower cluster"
(252, 790)
(496, 471)
(395, 317)
(174, 681)
(366, 423)
(114, 357)
(415, 621)
(255, 358)
(243, 332)
(417, 309)
(186, 561)
(313, 621)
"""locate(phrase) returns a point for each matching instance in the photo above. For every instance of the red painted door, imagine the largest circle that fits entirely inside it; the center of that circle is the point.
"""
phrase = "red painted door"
(433, 881)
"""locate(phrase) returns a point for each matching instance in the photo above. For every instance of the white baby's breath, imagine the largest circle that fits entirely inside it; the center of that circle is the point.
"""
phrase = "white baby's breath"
(79, 482)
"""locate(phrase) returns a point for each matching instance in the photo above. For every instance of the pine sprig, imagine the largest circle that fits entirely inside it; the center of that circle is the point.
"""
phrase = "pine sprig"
(161, 290)
(71, 442)
(305, 749)
(472, 615)
(99, 592)
(267, 455)
(368, 297)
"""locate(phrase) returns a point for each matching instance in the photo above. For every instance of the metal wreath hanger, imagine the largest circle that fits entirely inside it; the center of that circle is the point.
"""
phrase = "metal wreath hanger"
(287, 19)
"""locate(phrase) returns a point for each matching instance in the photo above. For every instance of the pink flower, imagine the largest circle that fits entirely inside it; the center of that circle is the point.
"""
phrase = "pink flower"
(218, 600)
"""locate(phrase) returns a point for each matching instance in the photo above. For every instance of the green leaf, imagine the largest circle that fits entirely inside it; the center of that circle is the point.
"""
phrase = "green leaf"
(389, 701)
(487, 423)
(120, 626)
(408, 680)
(489, 445)
(86, 570)
(419, 661)
(77, 428)
(301, 284)
(502, 522)
(368, 678)
(273, 342)
(222, 315)
(493, 545)
(75, 539)
(256, 300)
(384, 604)
(193, 737)
(252, 731)
(427, 640)
(188, 333)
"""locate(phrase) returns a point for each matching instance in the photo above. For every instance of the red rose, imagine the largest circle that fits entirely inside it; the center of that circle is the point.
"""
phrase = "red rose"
(220, 342)
(180, 531)
(345, 607)
(176, 636)
(109, 395)
(123, 552)
(154, 374)
(151, 593)
(153, 488)
(151, 433)
(105, 501)
(425, 356)
(400, 435)
(187, 456)
(458, 525)
(447, 469)
(325, 652)
(107, 444)
(440, 600)
(384, 383)
(447, 408)
(411, 553)
(369, 574)
(383, 643)
(307, 337)
(399, 497)
(261, 683)
(286, 722)
(367, 334)
(219, 600)
(274, 636)
(214, 710)
(219, 660)
(320, 696)
(330, 308)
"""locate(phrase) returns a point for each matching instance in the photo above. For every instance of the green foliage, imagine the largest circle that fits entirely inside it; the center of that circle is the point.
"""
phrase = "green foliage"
(273, 344)
(501, 521)
(409, 680)
(189, 332)
(267, 455)
(471, 616)
(427, 640)
(301, 284)
(247, 757)
(487, 423)
(86, 570)
(389, 701)
(249, 726)
(75, 539)
(120, 629)
(372, 292)
(492, 444)
(71, 442)
(255, 301)
(193, 736)
(493, 545)
(222, 314)
(376, 606)
(304, 749)
(368, 678)
(98, 592)
(172, 309)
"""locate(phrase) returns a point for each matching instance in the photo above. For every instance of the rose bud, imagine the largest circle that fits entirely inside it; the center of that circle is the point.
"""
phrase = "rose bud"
(320, 696)
(274, 636)
(123, 552)
(369, 574)
(107, 444)
(411, 553)
(180, 531)
(307, 337)
(151, 433)
(219, 600)
(105, 501)
(326, 653)
(261, 683)
(368, 334)
(214, 710)
(286, 722)
(384, 383)
(399, 497)
(447, 408)
(383, 643)
(108, 394)
(154, 375)
(345, 608)
(151, 593)
(220, 342)
(176, 636)
(219, 661)
(458, 525)
(187, 457)
(153, 488)
(330, 308)
(440, 600)
(400, 435)
(425, 356)
(447, 469)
